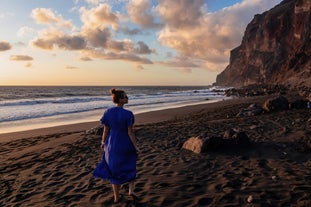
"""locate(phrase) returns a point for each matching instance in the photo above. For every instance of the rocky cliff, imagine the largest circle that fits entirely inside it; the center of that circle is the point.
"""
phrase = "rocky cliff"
(276, 48)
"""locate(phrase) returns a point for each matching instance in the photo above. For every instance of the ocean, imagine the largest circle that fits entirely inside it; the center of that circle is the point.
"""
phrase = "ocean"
(31, 107)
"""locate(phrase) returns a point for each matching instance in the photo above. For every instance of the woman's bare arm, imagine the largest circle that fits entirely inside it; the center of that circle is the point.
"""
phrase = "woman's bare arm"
(132, 136)
(104, 137)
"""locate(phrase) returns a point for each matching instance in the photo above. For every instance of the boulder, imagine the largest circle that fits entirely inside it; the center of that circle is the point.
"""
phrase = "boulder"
(276, 104)
(229, 133)
(213, 144)
(241, 139)
(194, 144)
(252, 110)
(299, 104)
(201, 145)
(234, 138)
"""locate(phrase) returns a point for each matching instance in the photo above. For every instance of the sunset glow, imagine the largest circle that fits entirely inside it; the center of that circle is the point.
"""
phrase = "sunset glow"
(120, 42)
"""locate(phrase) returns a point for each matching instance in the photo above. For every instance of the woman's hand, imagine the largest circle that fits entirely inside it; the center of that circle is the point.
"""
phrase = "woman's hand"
(135, 146)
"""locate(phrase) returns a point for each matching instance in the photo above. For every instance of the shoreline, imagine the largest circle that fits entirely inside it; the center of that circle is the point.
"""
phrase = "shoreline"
(143, 116)
(37, 108)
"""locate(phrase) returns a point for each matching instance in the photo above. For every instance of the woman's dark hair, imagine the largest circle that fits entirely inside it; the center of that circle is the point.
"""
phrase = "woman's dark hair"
(116, 95)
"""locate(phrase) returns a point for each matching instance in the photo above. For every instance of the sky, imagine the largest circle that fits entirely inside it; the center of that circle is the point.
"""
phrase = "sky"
(120, 42)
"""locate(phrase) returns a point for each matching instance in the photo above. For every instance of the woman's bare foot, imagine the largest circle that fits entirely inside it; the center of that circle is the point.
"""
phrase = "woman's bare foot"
(117, 199)
(133, 195)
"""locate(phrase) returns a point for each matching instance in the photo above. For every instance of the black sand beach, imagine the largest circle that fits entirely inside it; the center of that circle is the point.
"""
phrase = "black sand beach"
(53, 166)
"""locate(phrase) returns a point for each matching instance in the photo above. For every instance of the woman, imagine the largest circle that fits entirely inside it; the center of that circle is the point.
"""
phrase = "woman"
(118, 164)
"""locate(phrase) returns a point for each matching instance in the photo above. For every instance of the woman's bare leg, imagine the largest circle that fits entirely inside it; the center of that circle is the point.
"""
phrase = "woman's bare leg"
(115, 189)
(131, 188)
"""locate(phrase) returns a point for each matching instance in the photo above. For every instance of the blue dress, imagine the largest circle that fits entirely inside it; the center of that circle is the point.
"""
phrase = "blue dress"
(118, 164)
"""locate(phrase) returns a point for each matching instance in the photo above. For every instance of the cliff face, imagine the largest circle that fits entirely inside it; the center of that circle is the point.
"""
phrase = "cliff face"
(276, 48)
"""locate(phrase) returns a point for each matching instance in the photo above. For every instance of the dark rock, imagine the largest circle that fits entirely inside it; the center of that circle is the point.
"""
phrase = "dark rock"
(233, 141)
(234, 138)
(212, 144)
(257, 90)
(252, 110)
(229, 134)
(201, 145)
(276, 104)
(241, 139)
(299, 104)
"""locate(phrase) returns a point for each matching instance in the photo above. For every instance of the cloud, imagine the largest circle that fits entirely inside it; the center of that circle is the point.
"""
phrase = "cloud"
(28, 65)
(5, 46)
(70, 67)
(142, 48)
(20, 44)
(96, 2)
(116, 56)
(139, 13)
(97, 32)
(181, 13)
(47, 16)
(63, 42)
(92, 1)
(139, 67)
(183, 62)
(50, 38)
(86, 58)
(99, 17)
(26, 32)
(120, 45)
(44, 16)
(20, 58)
(198, 34)
(199, 39)
(96, 38)
(129, 31)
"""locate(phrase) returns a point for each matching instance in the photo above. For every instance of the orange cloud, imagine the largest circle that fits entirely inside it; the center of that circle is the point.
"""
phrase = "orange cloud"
(98, 17)
(28, 65)
(92, 1)
(181, 14)
(20, 58)
(186, 27)
(183, 62)
(47, 16)
(196, 33)
(85, 59)
(95, 39)
(50, 38)
(70, 67)
(139, 13)
(116, 56)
